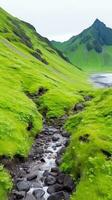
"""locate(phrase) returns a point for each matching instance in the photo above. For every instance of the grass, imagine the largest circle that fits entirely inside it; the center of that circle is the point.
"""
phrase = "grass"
(27, 64)
(89, 156)
(21, 73)
(92, 61)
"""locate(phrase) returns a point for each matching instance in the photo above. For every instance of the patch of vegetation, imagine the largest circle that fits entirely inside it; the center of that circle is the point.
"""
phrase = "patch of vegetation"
(88, 157)
(5, 183)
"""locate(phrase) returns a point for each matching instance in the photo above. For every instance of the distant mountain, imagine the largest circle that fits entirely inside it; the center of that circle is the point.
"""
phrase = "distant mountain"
(91, 49)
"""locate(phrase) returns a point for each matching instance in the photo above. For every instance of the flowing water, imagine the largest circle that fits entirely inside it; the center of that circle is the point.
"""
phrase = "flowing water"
(34, 176)
(102, 80)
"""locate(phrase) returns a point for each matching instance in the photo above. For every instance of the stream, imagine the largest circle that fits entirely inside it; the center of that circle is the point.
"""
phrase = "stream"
(39, 177)
(102, 80)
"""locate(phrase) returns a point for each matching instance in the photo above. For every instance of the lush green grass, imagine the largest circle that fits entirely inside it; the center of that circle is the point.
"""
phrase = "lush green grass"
(28, 63)
(92, 61)
(89, 156)
(22, 73)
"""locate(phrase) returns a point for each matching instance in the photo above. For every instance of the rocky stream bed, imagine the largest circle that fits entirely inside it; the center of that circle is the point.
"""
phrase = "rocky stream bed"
(38, 177)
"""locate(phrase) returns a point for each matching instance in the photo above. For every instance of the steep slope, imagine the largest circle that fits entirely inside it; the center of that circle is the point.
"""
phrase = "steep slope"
(90, 50)
(29, 67)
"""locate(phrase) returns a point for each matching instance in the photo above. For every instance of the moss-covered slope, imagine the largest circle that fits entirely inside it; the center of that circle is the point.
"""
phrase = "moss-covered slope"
(29, 66)
(89, 156)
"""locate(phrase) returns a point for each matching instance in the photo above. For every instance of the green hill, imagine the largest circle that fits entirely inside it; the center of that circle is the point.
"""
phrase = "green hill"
(37, 80)
(90, 50)
(30, 66)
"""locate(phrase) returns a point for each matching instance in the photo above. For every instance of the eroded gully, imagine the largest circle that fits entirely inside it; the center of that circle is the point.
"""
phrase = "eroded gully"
(39, 177)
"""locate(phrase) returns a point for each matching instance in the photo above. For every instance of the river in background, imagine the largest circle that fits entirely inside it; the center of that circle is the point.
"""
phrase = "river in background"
(102, 80)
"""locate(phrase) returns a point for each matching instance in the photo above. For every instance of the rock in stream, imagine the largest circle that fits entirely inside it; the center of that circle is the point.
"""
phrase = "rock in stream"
(39, 177)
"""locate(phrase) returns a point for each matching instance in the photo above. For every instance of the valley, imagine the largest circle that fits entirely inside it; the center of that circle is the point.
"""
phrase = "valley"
(55, 114)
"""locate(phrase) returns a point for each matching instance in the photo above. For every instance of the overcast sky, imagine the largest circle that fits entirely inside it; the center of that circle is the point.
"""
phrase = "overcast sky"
(60, 19)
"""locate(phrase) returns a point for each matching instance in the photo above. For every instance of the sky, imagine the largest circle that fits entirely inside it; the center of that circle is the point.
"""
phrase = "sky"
(60, 19)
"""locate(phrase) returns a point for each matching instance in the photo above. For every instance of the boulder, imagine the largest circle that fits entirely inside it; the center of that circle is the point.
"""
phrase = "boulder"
(59, 196)
(53, 130)
(29, 197)
(46, 173)
(38, 193)
(55, 170)
(56, 137)
(66, 143)
(54, 188)
(50, 180)
(23, 185)
(68, 183)
(18, 195)
(65, 134)
(79, 107)
(31, 177)
(60, 178)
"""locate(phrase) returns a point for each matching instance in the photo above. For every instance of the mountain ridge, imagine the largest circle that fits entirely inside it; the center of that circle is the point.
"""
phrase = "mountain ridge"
(93, 42)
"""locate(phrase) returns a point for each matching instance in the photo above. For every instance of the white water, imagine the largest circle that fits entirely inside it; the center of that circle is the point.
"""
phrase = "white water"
(102, 80)
(50, 159)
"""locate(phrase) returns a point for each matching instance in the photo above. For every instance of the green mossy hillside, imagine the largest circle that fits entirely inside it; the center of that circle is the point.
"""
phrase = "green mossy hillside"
(28, 63)
(91, 50)
(89, 156)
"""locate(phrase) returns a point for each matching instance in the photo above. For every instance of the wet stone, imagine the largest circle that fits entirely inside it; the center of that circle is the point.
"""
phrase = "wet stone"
(31, 177)
(36, 185)
(18, 195)
(42, 160)
(29, 197)
(68, 183)
(56, 137)
(37, 175)
(23, 185)
(58, 144)
(59, 196)
(55, 188)
(50, 180)
(52, 129)
(66, 143)
(46, 173)
(38, 193)
(55, 169)
(60, 178)
(54, 147)
(65, 134)
(53, 174)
